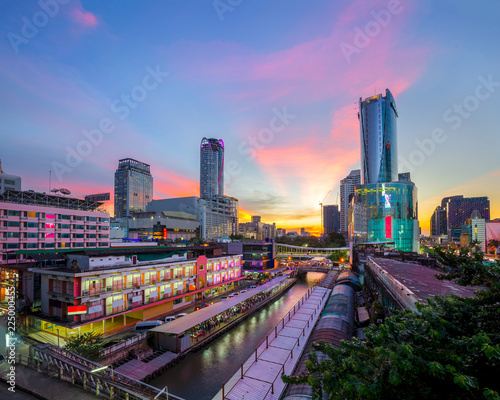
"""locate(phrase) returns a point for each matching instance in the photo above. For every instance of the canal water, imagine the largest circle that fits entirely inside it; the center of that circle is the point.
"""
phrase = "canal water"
(199, 376)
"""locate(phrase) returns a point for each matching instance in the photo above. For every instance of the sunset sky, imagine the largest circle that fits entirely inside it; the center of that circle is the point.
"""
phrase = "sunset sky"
(86, 83)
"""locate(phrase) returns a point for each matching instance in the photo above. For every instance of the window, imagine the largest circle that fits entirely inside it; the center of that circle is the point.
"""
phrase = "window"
(12, 245)
(65, 226)
(32, 235)
(65, 216)
(13, 234)
(32, 246)
(13, 224)
(13, 213)
(32, 224)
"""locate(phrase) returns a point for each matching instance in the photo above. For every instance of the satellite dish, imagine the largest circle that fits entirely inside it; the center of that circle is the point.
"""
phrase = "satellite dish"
(54, 190)
(64, 191)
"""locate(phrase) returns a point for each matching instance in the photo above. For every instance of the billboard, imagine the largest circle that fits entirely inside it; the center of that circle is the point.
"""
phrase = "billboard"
(98, 197)
(75, 310)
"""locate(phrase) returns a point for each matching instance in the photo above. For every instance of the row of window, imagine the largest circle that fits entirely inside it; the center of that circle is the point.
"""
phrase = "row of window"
(46, 225)
(50, 245)
(34, 214)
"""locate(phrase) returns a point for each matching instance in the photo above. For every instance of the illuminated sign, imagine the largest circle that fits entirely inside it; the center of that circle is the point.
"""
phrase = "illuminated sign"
(386, 197)
(388, 227)
(76, 310)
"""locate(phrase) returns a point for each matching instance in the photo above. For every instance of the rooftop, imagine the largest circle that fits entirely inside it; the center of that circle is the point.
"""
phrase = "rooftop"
(421, 280)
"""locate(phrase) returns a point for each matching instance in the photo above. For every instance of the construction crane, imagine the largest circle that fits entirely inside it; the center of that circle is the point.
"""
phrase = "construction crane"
(321, 205)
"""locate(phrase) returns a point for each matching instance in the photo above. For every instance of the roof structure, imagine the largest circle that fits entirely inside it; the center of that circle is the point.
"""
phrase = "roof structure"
(183, 324)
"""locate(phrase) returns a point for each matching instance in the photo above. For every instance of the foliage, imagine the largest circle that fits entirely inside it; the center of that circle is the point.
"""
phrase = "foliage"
(339, 255)
(449, 349)
(236, 237)
(335, 239)
(87, 345)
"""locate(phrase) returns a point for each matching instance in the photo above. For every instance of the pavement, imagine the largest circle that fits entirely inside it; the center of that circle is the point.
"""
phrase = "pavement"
(40, 386)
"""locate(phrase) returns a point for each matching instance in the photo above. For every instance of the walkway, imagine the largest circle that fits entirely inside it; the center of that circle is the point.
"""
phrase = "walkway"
(259, 378)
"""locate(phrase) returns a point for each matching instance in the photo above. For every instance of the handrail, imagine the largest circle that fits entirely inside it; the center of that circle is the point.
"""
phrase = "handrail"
(303, 299)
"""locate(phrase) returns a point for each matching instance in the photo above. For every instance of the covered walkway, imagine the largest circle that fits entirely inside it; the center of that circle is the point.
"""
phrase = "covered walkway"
(259, 378)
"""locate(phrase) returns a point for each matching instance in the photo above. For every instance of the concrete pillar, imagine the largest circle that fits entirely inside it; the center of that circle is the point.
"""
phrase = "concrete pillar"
(103, 326)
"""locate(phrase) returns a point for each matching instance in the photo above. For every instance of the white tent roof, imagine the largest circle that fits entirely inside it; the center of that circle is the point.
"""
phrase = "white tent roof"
(197, 317)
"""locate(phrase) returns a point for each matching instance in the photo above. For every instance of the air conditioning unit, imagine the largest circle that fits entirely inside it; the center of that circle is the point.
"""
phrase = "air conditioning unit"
(109, 288)
(85, 292)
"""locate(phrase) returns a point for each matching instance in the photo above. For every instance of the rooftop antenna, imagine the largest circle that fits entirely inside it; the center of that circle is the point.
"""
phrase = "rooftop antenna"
(50, 179)
(1, 170)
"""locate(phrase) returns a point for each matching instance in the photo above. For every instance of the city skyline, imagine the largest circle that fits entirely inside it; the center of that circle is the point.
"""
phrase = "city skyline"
(150, 81)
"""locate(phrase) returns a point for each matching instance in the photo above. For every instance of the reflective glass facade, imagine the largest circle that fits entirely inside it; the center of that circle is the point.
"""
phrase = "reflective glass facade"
(391, 213)
(211, 168)
(379, 159)
(133, 187)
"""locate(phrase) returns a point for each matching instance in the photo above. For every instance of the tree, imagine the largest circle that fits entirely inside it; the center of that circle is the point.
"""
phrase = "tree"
(339, 255)
(449, 349)
(335, 239)
(87, 345)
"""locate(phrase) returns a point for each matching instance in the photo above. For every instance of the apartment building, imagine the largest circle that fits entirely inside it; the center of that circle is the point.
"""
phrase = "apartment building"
(105, 290)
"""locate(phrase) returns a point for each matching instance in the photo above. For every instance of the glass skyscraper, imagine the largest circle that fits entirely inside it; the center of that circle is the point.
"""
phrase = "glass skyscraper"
(211, 168)
(379, 150)
(133, 187)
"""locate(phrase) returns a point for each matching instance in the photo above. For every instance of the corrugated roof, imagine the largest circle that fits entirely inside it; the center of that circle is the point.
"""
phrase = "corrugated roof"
(189, 321)
(179, 214)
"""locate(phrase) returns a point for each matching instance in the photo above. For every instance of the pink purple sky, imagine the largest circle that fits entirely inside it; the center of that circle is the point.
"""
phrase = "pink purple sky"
(278, 81)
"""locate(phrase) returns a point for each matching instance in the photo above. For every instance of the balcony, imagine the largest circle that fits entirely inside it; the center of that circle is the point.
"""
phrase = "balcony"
(3, 228)
(23, 239)
(3, 216)
(24, 218)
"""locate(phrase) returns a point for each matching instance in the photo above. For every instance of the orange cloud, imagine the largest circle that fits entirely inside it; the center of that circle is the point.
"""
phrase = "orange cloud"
(169, 184)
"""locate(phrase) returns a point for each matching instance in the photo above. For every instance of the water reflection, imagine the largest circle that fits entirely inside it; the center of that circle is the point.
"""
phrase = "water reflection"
(200, 375)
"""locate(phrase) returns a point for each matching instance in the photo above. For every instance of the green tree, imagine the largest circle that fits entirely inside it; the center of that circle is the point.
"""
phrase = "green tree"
(339, 255)
(495, 244)
(448, 349)
(334, 239)
(87, 345)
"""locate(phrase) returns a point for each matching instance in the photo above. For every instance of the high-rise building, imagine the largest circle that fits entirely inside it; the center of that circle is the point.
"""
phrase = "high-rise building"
(211, 168)
(256, 229)
(133, 187)
(331, 219)
(379, 158)
(347, 186)
(439, 224)
(459, 210)
(9, 182)
(388, 200)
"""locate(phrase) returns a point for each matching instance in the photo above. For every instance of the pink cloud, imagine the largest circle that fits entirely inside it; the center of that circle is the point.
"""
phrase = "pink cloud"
(83, 18)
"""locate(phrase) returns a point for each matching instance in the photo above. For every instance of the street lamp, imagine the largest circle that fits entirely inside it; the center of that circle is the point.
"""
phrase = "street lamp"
(102, 369)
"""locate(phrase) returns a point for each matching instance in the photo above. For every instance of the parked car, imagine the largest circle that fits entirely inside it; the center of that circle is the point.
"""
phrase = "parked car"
(181, 315)
(243, 291)
(252, 287)
(145, 326)
(170, 318)
(202, 306)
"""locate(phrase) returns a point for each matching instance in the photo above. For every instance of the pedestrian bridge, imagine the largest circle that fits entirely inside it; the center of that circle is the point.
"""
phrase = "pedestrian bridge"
(287, 250)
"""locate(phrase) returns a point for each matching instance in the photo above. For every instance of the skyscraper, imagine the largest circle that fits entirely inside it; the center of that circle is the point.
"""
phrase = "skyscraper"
(459, 209)
(211, 168)
(347, 186)
(387, 201)
(379, 158)
(331, 218)
(133, 187)
(439, 222)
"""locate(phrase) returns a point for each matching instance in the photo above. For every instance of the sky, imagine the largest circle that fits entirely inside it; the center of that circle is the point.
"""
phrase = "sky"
(86, 83)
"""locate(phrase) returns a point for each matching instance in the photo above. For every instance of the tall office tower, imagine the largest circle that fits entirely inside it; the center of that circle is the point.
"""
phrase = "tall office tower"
(211, 168)
(331, 219)
(459, 210)
(379, 151)
(439, 224)
(347, 186)
(133, 187)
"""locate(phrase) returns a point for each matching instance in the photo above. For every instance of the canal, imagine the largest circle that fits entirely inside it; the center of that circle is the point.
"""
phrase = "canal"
(199, 376)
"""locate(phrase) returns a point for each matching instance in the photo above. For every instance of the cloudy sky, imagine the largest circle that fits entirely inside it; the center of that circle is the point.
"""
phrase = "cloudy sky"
(85, 83)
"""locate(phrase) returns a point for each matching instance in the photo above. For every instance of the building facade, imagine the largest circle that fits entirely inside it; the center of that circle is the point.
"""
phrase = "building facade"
(133, 187)
(211, 168)
(163, 226)
(391, 213)
(218, 218)
(459, 210)
(379, 159)
(9, 182)
(256, 229)
(107, 291)
(347, 188)
(331, 219)
(439, 224)
(35, 221)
